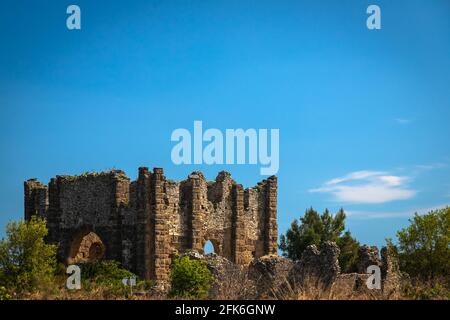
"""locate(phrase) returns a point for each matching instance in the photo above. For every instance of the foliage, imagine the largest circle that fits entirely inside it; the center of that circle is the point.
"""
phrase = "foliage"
(424, 246)
(4, 295)
(426, 291)
(349, 252)
(316, 229)
(106, 276)
(26, 261)
(190, 278)
(107, 272)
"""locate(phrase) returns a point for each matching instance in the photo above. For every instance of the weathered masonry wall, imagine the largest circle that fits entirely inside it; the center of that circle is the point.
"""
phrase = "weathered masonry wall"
(143, 223)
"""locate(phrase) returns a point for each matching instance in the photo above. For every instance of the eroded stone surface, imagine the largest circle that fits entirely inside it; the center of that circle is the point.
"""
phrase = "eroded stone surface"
(319, 266)
(367, 256)
(390, 273)
(272, 275)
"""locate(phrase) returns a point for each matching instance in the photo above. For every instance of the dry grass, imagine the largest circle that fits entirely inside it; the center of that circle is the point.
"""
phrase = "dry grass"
(89, 291)
(314, 289)
(238, 286)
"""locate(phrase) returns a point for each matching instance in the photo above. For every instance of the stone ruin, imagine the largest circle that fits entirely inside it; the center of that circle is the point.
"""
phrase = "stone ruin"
(143, 223)
(316, 275)
(318, 269)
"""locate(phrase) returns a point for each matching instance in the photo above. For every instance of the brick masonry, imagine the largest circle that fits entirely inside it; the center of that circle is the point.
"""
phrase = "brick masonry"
(143, 223)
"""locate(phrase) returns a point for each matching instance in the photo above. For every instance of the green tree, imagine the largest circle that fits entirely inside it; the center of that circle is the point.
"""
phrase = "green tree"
(190, 278)
(349, 252)
(316, 229)
(424, 246)
(26, 261)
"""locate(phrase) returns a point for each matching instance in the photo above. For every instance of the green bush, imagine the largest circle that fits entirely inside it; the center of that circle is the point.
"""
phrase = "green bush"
(190, 278)
(108, 273)
(107, 276)
(27, 263)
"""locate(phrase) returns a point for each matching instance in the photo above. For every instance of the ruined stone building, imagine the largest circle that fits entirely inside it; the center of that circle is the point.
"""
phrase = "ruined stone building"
(143, 223)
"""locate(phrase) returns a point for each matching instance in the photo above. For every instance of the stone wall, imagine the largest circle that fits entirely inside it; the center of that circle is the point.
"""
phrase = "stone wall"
(143, 223)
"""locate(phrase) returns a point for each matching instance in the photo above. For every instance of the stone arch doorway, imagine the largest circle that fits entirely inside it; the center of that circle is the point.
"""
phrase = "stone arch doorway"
(86, 247)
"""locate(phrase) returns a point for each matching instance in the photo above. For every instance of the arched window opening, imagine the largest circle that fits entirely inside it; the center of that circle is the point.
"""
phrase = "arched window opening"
(209, 248)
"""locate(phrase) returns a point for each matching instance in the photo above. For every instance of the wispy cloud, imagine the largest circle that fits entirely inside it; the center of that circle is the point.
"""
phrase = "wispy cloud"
(390, 214)
(367, 187)
(431, 166)
(403, 120)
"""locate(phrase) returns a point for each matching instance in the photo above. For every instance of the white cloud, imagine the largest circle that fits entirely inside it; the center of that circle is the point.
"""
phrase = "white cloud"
(390, 214)
(367, 187)
(354, 176)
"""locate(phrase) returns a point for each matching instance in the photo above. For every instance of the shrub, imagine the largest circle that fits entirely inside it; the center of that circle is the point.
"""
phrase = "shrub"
(106, 277)
(107, 272)
(4, 294)
(190, 278)
(27, 263)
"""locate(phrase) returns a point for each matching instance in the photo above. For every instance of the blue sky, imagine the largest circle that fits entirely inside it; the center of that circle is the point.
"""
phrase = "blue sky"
(363, 115)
